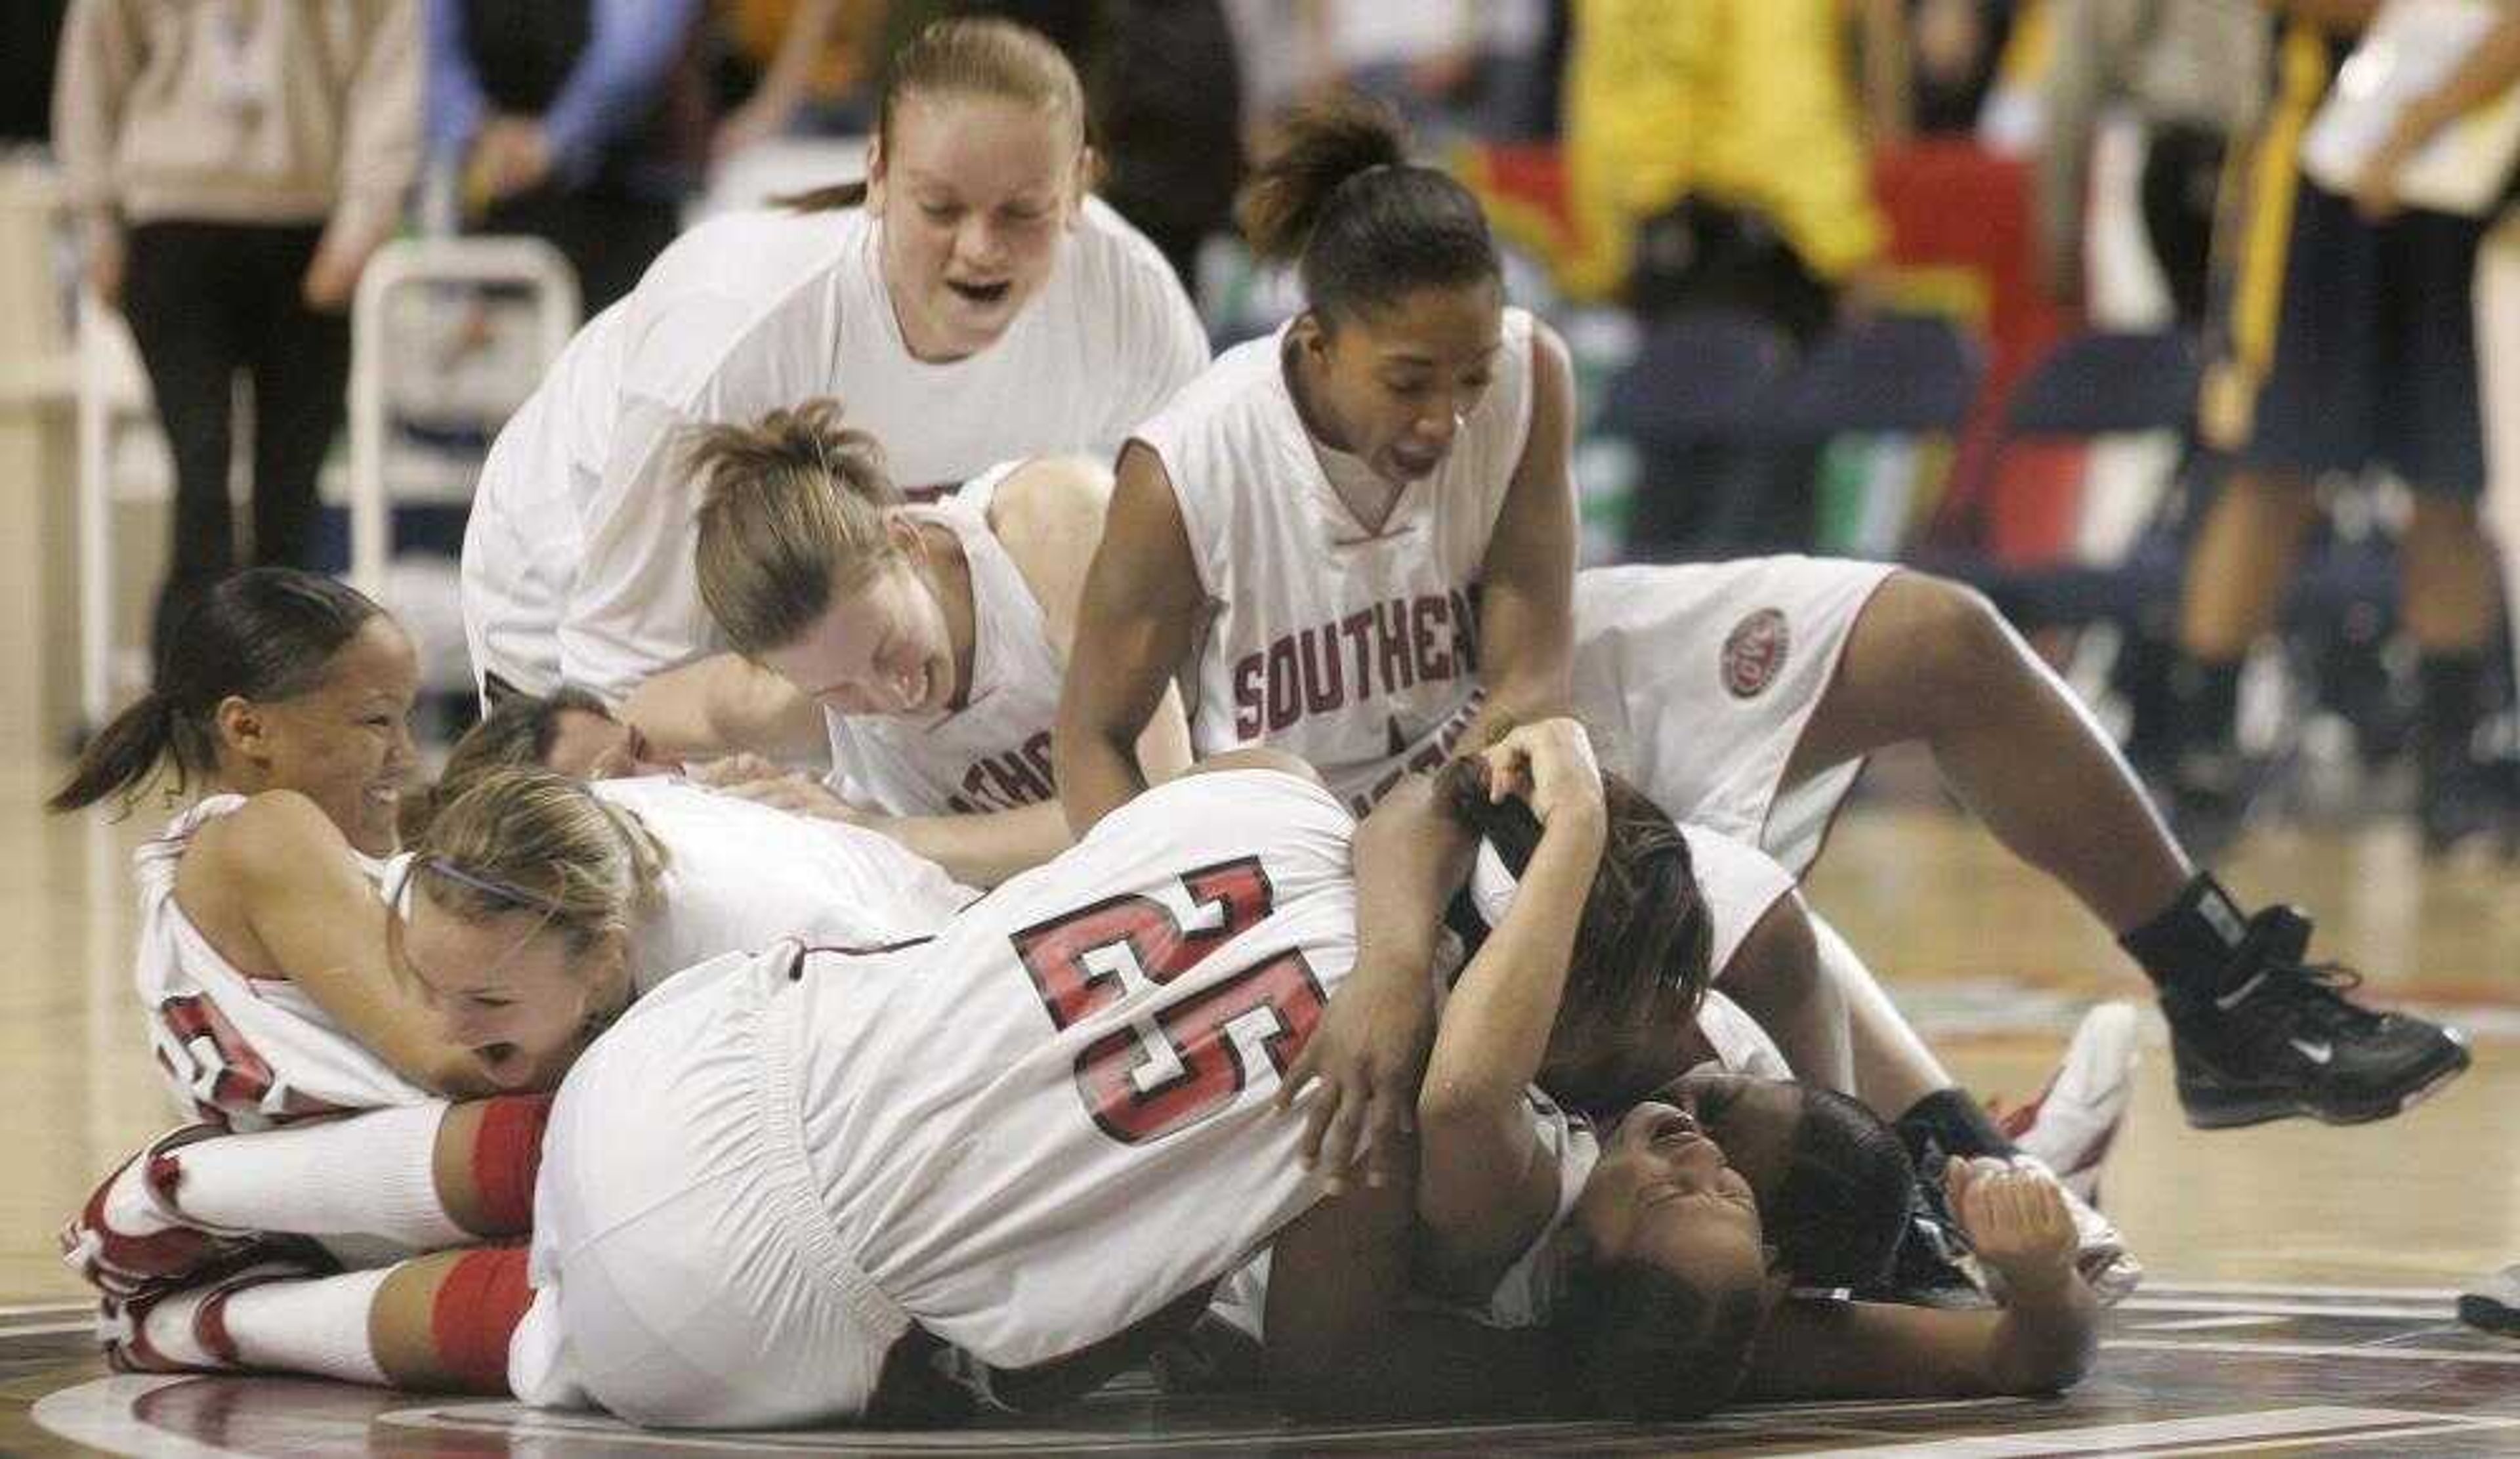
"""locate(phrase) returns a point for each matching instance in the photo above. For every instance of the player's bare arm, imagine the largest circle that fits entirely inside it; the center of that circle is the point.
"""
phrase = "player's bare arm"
(1345, 1343)
(1527, 580)
(1371, 1049)
(1485, 1188)
(726, 704)
(2042, 1339)
(1138, 608)
(278, 893)
(1050, 515)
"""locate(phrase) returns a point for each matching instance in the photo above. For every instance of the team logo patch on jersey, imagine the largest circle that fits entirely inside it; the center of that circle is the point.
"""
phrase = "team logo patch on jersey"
(1754, 653)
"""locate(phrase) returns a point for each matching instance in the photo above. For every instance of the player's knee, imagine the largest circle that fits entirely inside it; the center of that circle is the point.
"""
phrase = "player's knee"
(1957, 644)
(507, 1157)
(480, 1303)
(1778, 962)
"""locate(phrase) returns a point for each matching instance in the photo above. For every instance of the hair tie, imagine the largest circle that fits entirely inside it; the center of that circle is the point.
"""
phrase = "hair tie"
(549, 906)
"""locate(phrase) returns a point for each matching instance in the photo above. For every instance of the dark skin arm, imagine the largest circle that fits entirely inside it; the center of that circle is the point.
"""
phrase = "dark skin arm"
(2042, 1339)
(1527, 580)
(1342, 1343)
(1140, 605)
(1409, 855)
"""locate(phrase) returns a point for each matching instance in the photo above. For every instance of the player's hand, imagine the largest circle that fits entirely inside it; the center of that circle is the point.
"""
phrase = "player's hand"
(726, 772)
(2015, 1217)
(1549, 764)
(1364, 1063)
(805, 795)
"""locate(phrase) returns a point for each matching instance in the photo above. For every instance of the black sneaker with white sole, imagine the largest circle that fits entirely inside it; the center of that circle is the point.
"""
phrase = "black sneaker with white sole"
(2495, 1306)
(2283, 1039)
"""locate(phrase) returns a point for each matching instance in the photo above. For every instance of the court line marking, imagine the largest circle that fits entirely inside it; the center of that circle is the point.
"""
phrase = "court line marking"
(50, 1329)
(2371, 1435)
(2200, 1324)
(2292, 1289)
(2444, 1312)
(46, 1309)
(2319, 1349)
(2269, 1427)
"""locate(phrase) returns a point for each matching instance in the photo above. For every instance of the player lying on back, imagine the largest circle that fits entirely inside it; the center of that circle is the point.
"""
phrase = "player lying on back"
(1499, 1214)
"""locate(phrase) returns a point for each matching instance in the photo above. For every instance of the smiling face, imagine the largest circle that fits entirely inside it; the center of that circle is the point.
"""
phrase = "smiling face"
(344, 744)
(509, 988)
(1663, 1194)
(974, 193)
(1393, 386)
(882, 648)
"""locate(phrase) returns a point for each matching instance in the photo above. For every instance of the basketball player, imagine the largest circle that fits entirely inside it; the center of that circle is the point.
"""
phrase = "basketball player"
(281, 703)
(1603, 1062)
(1492, 1232)
(773, 1149)
(1346, 535)
(970, 301)
(931, 639)
(533, 910)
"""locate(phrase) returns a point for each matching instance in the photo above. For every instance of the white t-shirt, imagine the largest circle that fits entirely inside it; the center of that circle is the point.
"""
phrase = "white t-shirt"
(577, 561)
(1353, 648)
(994, 753)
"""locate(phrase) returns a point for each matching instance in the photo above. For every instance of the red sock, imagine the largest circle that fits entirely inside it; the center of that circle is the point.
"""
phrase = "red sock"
(480, 1304)
(507, 1157)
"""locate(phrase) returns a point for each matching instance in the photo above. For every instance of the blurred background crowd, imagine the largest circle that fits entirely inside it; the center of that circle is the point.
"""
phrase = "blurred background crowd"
(1993, 285)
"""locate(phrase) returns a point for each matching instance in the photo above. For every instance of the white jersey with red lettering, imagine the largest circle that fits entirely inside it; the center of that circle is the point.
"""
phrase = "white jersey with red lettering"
(1353, 646)
(1024, 1136)
(993, 753)
(242, 1051)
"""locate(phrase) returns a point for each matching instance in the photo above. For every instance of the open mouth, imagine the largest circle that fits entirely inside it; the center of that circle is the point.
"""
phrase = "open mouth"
(982, 294)
(1676, 1131)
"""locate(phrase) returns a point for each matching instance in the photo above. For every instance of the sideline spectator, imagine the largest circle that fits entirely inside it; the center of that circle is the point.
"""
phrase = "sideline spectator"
(232, 167)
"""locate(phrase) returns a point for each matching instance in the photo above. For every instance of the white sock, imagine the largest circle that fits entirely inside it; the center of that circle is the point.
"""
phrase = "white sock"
(367, 1174)
(314, 1325)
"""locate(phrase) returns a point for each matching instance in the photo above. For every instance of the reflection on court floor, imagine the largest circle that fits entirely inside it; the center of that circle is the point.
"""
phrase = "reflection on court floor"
(2206, 1369)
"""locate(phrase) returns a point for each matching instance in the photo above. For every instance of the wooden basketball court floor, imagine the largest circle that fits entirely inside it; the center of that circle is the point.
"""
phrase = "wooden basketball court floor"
(2300, 1277)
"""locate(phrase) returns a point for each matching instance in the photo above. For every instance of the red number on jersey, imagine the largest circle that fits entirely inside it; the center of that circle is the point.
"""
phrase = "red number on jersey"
(1074, 983)
(229, 1077)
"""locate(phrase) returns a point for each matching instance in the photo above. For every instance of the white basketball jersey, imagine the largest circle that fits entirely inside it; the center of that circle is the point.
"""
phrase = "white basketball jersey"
(740, 876)
(1038, 1129)
(993, 753)
(246, 1052)
(1355, 649)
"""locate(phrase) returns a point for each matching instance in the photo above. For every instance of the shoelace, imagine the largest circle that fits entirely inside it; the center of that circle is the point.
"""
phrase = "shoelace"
(2314, 992)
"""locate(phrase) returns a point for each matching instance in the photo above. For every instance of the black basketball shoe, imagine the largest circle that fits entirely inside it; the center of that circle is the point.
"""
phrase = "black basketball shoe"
(2283, 1039)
